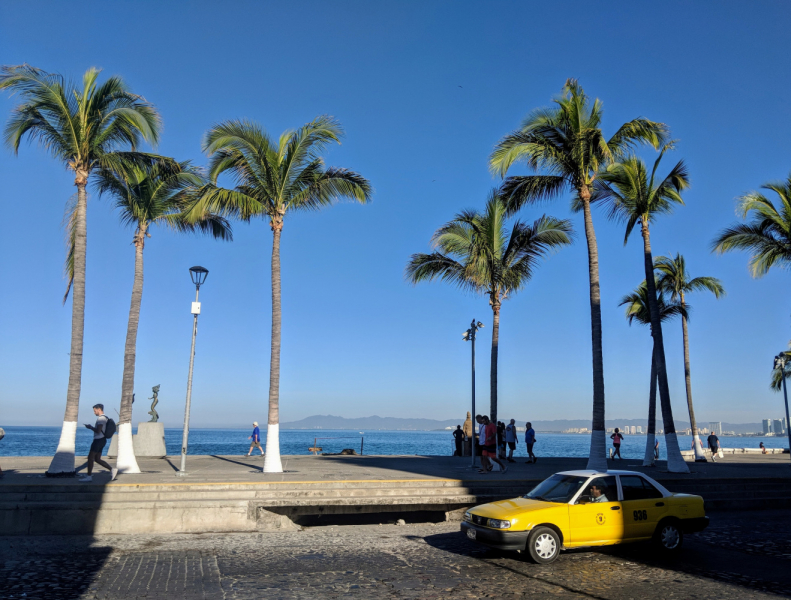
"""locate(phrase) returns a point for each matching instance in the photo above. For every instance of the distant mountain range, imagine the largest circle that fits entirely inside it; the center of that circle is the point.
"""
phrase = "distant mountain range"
(396, 424)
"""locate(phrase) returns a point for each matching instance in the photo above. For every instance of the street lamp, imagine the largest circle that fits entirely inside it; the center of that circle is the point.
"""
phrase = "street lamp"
(198, 276)
(469, 336)
(780, 363)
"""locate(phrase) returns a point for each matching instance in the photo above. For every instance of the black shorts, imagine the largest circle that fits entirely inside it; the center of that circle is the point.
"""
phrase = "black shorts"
(512, 445)
(98, 445)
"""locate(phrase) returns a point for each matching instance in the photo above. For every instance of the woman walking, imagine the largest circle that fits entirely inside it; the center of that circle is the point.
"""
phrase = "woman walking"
(616, 438)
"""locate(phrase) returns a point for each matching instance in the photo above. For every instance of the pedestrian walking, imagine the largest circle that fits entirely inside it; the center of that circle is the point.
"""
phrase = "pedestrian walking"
(510, 439)
(485, 464)
(478, 438)
(256, 437)
(714, 445)
(98, 444)
(760, 445)
(458, 436)
(656, 448)
(501, 440)
(530, 439)
(616, 438)
(490, 445)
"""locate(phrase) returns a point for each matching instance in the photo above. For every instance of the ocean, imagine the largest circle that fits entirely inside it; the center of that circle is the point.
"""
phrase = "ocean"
(42, 441)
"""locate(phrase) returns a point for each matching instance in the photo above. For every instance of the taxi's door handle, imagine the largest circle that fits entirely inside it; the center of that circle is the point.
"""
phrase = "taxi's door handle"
(660, 504)
(615, 508)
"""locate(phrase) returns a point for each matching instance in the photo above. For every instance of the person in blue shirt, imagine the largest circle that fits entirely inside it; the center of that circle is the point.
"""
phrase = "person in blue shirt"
(530, 439)
(256, 437)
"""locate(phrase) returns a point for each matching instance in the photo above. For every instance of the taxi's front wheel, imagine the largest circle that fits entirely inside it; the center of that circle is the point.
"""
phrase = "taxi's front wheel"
(543, 545)
(668, 537)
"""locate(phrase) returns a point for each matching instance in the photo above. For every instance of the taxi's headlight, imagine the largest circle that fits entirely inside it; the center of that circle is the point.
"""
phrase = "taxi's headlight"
(498, 524)
(467, 517)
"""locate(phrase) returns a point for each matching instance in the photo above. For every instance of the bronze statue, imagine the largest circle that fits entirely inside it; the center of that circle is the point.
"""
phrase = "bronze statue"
(154, 414)
(467, 427)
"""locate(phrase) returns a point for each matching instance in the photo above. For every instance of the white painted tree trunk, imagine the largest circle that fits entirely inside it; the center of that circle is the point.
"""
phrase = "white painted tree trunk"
(650, 441)
(63, 461)
(126, 462)
(675, 463)
(597, 459)
(272, 462)
(700, 455)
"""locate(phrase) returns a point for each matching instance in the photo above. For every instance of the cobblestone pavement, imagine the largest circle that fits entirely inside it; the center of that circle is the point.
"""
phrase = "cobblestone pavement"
(742, 556)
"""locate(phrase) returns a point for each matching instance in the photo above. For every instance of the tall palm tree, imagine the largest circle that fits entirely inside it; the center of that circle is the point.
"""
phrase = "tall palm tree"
(146, 197)
(767, 237)
(566, 148)
(476, 252)
(96, 125)
(633, 196)
(674, 280)
(637, 309)
(274, 178)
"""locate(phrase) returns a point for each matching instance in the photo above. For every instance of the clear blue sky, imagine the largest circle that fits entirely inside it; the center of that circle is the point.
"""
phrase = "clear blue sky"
(424, 91)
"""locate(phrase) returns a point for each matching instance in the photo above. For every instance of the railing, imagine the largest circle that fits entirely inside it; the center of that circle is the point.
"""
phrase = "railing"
(348, 437)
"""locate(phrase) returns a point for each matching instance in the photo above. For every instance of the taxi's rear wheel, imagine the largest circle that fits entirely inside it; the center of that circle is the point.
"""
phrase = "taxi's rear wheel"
(543, 545)
(668, 537)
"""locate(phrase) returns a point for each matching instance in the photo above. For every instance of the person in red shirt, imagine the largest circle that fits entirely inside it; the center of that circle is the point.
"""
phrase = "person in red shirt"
(490, 446)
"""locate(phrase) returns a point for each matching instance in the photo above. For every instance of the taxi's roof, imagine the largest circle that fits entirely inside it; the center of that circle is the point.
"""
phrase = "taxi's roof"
(592, 472)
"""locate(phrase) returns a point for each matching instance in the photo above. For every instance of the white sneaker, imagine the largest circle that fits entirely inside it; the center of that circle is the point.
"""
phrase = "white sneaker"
(86, 478)
(113, 474)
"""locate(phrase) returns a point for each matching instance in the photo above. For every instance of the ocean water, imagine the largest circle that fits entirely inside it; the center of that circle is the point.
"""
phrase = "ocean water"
(42, 441)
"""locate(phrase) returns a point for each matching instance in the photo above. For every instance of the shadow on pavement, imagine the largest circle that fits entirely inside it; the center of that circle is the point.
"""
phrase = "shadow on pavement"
(238, 462)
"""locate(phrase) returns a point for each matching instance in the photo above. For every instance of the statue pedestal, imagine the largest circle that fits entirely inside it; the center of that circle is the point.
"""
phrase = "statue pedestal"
(149, 441)
(467, 447)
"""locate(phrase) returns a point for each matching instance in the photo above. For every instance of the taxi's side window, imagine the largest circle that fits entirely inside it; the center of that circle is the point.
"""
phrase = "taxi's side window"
(637, 488)
(606, 490)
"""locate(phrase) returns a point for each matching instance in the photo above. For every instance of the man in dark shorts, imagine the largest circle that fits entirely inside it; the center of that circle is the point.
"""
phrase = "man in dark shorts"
(714, 445)
(490, 446)
(510, 439)
(97, 446)
(458, 436)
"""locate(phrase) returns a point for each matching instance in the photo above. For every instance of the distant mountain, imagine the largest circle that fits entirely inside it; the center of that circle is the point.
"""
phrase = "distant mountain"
(396, 423)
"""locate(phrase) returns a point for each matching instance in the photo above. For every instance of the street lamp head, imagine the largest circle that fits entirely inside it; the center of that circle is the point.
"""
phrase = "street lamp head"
(198, 275)
(479, 324)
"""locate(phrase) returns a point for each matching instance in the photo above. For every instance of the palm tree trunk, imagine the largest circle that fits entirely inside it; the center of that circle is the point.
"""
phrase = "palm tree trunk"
(650, 439)
(698, 447)
(126, 462)
(675, 463)
(598, 449)
(63, 462)
(272, 463)
(493, 371)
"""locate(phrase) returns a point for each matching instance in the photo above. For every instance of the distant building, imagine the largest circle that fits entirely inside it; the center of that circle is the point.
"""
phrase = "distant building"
(639, 429)
(716, 427)
(777, 427)
(634, 430)
(767, 425)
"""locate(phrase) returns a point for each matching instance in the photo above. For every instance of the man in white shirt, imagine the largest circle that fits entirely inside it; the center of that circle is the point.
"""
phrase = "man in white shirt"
(98, 444)
(510, 439)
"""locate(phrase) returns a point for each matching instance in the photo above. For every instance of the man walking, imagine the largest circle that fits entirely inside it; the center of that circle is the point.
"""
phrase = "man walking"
(256, 437)
(97, 446)
(714, 445)
(530, 439)
(490, 445)
(510, 439)
(481, 442)
(458, 436)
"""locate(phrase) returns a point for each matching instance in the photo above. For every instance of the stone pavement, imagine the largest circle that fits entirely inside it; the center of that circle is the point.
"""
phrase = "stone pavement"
(243, 469)
(744, 555)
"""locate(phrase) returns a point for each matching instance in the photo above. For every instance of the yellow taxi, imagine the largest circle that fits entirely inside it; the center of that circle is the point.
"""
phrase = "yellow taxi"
(573, 509)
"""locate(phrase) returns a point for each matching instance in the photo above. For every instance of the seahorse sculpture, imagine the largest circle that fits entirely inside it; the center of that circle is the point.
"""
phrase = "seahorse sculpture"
(154, 414)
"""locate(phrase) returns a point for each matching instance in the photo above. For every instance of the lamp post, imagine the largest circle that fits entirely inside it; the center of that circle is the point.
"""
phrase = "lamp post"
(198, 276)
(469, 336)
(780, 362)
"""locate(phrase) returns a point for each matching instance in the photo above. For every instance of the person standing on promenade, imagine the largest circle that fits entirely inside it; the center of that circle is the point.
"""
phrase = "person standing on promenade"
(530, 439)
(616, 438)
(714, 445)
(256, 437)
(656, 448)
(458, 436)
(510, 439)
(98, 444)
(760, 445)
(490, 447)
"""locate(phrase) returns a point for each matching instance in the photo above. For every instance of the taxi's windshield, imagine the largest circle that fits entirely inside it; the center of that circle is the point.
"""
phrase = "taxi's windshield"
(558, 488)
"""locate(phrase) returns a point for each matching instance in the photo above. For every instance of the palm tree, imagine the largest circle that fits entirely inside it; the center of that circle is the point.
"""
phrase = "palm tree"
(272, 179)
(637, 310)
(146, 197)
(85, 128)
(566, 147)
(768, 234)
(675, 281)
(633, 196)
(476, 253)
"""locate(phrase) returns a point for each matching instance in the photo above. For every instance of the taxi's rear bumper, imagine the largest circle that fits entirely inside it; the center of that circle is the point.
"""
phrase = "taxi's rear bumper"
(496, 538)
(694, 525)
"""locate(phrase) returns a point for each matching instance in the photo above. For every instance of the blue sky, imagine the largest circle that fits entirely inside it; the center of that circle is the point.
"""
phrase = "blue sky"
(424, 91)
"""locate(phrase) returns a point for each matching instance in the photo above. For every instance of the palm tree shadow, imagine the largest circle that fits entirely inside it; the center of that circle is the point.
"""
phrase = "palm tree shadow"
(238, 462)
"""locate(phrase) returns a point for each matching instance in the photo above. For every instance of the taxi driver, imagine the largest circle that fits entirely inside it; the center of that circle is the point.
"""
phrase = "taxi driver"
(597, 493)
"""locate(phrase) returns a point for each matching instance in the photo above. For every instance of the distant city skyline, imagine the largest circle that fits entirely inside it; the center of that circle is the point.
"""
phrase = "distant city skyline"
(424, 91)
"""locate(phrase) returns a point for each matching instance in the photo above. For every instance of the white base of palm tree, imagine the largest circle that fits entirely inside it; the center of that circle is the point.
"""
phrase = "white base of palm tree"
(63, 461)
(272, 462)
(675, 463)
(126, 462)
(650, 442)
(597, 460)
(700, 456)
